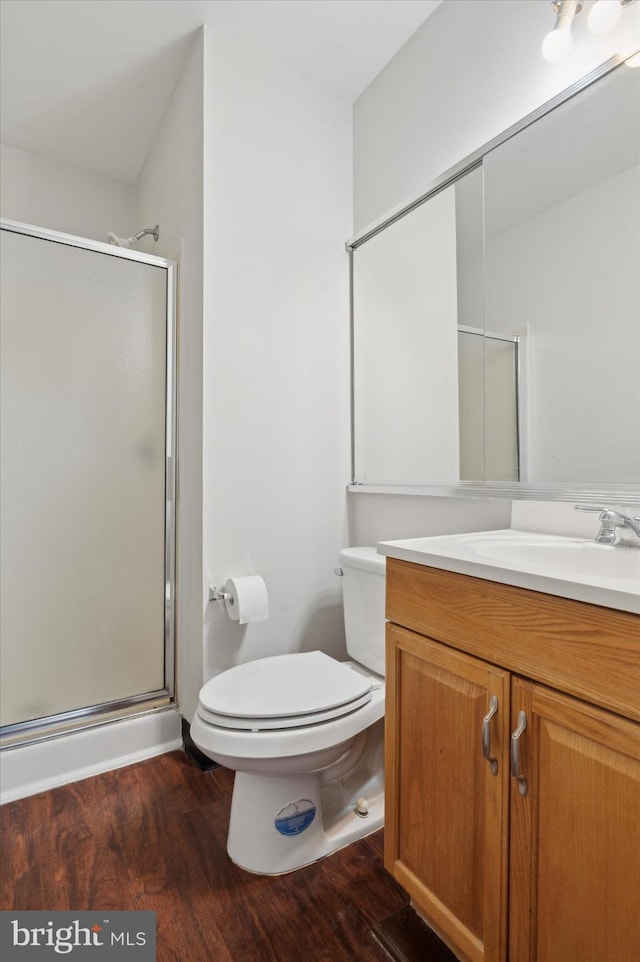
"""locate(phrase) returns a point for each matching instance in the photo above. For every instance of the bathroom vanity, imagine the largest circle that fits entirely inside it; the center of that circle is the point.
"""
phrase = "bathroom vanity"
(513, 758)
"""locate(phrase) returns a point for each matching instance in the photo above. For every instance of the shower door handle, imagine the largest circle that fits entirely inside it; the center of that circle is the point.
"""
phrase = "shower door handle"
(170, 479)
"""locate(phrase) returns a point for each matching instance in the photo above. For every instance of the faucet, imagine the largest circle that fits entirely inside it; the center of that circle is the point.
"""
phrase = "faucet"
(610, 522)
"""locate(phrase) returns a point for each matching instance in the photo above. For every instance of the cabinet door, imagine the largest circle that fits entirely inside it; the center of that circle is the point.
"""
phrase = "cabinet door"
(575, 834)
(446, 805)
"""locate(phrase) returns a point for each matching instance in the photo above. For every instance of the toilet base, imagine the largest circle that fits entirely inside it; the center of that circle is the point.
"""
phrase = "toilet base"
(281, 823)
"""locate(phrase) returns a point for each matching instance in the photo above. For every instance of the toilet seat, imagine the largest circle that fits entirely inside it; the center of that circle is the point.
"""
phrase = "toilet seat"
(284, 691)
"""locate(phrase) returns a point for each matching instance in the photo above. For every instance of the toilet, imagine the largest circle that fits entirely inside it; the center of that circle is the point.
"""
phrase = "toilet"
(304, 734)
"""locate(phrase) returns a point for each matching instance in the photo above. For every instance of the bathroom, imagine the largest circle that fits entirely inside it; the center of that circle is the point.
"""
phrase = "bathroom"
(256, 193)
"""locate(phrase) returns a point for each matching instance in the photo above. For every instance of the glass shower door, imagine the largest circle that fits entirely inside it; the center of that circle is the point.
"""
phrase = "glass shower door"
(86, 510)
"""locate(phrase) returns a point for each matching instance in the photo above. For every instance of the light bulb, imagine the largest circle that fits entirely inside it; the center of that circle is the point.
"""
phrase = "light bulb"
(556, 44)
(558, 41)
(604, 15)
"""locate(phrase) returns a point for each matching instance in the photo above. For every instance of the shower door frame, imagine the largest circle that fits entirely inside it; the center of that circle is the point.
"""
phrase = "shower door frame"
(38, 729)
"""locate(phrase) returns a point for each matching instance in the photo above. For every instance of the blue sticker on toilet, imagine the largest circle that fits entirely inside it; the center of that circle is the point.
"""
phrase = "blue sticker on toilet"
(295, 817)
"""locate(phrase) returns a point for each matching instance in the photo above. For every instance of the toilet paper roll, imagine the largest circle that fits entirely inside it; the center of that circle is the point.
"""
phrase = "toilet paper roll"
(247, 601)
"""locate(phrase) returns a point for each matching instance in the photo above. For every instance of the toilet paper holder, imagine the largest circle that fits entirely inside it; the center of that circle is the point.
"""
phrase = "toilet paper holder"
(217, 594)
(244, 598)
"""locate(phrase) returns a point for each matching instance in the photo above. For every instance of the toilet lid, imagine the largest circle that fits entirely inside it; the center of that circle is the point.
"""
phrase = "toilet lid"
(284, 691)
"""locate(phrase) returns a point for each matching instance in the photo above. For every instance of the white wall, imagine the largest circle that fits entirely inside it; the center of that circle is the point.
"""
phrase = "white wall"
(49, 193)
(388, 517)
(473, 69)
(170, 194)
(558, 518)
(276, 350)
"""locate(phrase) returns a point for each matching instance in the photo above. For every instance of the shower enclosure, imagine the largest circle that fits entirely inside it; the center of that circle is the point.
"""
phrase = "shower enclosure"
(87, 484)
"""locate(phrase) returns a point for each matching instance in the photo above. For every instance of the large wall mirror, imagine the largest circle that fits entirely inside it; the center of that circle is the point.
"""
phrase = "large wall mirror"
(496, 320)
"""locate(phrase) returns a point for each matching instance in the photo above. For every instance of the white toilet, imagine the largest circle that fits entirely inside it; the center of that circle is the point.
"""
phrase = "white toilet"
(305, 735)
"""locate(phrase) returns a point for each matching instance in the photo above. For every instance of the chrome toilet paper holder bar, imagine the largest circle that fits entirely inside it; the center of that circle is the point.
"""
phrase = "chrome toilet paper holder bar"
(217, 594)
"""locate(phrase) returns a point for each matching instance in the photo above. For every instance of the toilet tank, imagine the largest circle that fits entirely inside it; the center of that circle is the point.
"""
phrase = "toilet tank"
(363, 593)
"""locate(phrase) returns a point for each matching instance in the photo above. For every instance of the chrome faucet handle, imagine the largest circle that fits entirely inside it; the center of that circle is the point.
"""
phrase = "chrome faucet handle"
(610, 522)
(608, 533)
(632, 525)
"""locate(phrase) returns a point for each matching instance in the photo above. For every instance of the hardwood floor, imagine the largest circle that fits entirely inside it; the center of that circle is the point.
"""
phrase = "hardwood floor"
(153, 836)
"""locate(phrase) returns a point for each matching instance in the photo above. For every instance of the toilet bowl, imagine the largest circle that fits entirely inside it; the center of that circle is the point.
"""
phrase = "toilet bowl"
(304, 734)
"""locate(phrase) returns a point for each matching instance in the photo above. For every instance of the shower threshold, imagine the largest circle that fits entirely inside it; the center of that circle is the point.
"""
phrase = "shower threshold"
(37, 730)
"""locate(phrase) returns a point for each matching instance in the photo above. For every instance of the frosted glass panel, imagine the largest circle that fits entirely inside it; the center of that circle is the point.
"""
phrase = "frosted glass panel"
(471, 405)
(501, 410)
(488, 390)
(83, 477)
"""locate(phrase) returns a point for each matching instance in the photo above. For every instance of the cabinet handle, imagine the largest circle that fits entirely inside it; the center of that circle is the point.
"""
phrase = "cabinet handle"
(523, 788)
(486, 735)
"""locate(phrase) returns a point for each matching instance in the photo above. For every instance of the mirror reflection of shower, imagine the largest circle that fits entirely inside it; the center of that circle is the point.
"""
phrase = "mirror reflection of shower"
(130, 241)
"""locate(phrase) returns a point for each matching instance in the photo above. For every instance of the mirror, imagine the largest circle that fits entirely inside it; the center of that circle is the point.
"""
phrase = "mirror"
(496, 321)
(405, 294)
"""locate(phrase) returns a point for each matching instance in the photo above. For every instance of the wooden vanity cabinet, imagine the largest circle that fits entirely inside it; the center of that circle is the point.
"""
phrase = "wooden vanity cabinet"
(545, 868)
(445, 812)
(575, 835)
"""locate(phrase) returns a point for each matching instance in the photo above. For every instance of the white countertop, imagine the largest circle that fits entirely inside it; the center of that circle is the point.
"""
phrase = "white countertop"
(569, 567)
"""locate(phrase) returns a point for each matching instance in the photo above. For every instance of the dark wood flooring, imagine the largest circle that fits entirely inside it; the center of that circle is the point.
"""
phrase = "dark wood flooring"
(153, 836)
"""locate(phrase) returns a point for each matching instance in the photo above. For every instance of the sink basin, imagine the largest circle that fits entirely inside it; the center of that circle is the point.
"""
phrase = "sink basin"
(561, 557)
(569, 567)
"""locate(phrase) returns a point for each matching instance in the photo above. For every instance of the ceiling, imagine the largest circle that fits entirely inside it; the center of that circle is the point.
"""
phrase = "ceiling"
(88, 81)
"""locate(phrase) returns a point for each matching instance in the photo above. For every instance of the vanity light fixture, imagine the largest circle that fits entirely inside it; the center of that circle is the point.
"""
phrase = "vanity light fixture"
(604, 14)
(558, 41)
(603, 17)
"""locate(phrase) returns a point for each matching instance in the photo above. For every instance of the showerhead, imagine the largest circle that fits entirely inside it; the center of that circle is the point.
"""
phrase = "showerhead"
(117, 241)
(128, 241)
